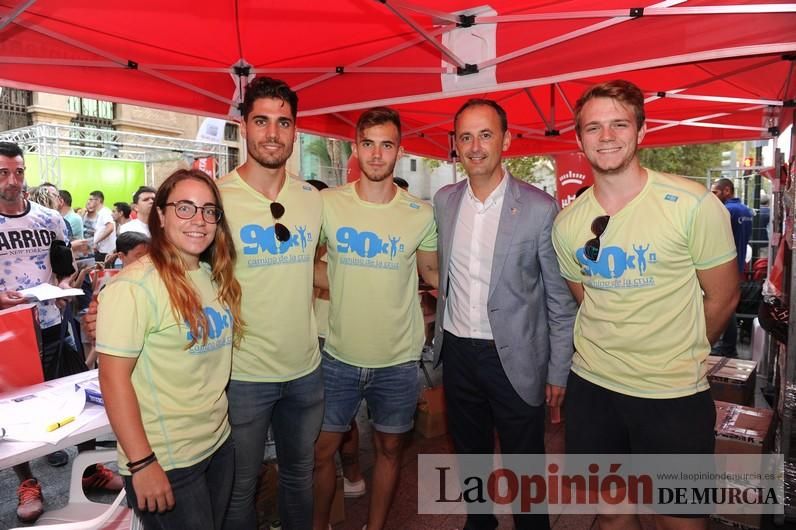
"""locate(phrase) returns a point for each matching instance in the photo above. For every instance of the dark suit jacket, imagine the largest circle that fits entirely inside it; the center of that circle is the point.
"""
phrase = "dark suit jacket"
(531, 310)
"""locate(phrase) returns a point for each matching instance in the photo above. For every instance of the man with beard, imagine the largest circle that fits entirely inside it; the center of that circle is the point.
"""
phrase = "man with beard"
(504, 314)
(27, 231)
(378, 236)
(650, 259)
(276, 376)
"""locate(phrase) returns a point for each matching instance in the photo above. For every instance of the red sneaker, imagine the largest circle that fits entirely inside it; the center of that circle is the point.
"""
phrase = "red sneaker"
(103, 478)
(30, 505)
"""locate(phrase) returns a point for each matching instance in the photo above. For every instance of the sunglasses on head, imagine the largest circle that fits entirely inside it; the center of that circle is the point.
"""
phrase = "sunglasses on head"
(281, 231)
(592, 247)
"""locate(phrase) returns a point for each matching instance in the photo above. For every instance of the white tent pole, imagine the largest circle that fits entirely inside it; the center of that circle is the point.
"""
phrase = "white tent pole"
(722, 99)
(712, 125)
(722, 53)
(455, 59)
(9, 18)
(648, 12)
(535, 104)
(441, 15)
(566, 37)
(374, 57)
(122, 62)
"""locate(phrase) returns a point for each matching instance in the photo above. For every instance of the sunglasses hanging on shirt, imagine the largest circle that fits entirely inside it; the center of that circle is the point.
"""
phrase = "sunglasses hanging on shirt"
(281, 231)
(592, 247)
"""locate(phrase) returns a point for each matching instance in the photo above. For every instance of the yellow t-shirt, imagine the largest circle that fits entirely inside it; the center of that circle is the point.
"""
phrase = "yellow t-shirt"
(641, 327)
(280, 342)
(375, 318)
(180, 392)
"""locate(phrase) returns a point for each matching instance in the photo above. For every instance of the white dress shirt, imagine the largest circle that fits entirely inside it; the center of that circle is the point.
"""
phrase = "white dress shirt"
(470, 266)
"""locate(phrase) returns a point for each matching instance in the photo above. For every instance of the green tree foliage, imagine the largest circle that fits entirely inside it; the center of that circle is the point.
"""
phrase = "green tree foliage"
(523, 167)
(689, 160)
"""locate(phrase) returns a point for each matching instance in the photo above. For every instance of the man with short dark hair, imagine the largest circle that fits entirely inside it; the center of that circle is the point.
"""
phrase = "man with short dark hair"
(741, 217)
(378, 237)
(650, 259)
(504, 314)
(66, 211)
(120, 214)
(99, 226)
(143, 199)
(27, 231)
(276, 377)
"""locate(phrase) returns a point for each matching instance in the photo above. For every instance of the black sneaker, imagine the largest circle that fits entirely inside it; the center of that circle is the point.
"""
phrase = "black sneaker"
(58, 458)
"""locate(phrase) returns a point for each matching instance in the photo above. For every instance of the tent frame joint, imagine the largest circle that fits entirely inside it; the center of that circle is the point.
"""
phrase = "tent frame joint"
(773, 131)
(636, 12)
(552, 132)
(466, 21)
(789, 103)
(242, 70)
(467, 69)
(132, 65)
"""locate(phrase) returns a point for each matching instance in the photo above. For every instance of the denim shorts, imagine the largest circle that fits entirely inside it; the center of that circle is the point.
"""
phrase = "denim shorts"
(391, 393)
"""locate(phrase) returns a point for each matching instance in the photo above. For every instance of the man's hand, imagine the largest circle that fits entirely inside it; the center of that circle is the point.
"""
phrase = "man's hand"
(10, 299)
(554, 395)
(90, 320)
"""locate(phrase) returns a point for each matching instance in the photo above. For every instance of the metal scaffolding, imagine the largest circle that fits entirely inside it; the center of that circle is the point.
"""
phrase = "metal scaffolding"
(51, 142)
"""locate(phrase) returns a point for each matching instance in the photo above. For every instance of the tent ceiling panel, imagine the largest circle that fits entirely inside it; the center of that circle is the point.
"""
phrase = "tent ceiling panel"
(348, 55)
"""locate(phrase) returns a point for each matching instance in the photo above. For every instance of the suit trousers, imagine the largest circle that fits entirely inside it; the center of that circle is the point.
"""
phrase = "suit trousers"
(480, 400)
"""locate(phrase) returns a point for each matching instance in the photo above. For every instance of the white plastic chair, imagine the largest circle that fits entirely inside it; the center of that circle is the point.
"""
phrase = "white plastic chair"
(83, 514)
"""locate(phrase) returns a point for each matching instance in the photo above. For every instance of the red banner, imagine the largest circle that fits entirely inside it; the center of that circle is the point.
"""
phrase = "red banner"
(354, 171)
(573, 172)
(206, 164)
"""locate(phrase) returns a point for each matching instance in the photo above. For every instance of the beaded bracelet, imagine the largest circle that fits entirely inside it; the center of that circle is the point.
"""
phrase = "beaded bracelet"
(139, 462)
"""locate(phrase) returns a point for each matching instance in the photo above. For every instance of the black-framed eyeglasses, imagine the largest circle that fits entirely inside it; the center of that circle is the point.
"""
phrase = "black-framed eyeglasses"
(592, 247)
(187, 210)
(281, 231)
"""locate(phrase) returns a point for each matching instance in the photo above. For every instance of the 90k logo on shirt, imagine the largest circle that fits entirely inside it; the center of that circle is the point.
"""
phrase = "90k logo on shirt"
(257, 239)
(614, 262)
(217, 323)
(367, 244)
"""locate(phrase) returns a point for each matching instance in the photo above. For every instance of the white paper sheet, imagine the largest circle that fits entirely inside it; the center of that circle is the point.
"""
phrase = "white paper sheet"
(46, 291)
(27, 418)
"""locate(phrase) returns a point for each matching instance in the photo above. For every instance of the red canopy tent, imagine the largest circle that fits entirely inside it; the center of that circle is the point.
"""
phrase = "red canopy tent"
(713, 72)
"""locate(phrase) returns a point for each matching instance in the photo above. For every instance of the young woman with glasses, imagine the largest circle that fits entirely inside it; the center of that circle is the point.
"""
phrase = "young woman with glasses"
(165, 331)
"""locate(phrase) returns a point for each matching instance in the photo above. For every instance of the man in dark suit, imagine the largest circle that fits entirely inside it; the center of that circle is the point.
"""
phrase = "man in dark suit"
(504, 315)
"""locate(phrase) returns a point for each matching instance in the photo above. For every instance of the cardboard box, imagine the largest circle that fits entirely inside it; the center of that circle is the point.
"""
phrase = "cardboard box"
(742, 429)
(747, 521)
(431, 419)
(732, 380)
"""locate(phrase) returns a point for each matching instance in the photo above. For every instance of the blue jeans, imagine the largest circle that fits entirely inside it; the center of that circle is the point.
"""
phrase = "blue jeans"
(295, 408)
(201, 493)
(391, 393)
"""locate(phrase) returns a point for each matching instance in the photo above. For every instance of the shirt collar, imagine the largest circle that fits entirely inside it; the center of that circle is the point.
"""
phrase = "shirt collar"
(497, 194)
